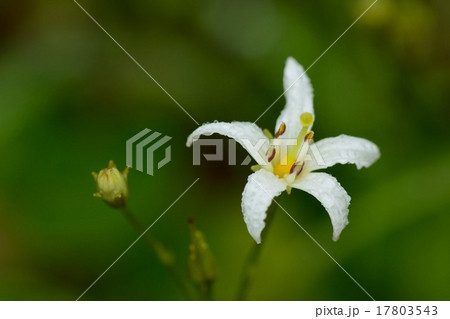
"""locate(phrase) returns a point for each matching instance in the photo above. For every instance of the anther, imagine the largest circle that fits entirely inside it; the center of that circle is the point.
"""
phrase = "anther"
(271, 153)
(309, 137)
(297, 168)
(281, 130)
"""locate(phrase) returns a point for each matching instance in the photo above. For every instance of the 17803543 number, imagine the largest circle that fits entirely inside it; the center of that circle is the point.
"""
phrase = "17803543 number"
(407, 310)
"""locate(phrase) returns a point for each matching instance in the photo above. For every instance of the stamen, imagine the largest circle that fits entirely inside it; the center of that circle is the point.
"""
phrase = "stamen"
(281, 130)
(271, 153)
(309, 137)
(306, 120)
(255, 168)
(297, 168)
(292, 164)
(268, 134)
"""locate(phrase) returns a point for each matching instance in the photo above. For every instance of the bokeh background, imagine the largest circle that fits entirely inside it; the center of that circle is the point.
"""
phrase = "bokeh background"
(70, 98)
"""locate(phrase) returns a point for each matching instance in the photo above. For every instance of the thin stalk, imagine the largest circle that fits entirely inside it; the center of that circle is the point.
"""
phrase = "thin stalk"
(208, 296)
(248, 272)
(164, 256)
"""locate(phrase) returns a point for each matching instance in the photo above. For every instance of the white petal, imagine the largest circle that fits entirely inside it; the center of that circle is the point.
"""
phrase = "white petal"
(249, 135)
(344, 149)
(331, 195)
(261, 188)
(299, 98)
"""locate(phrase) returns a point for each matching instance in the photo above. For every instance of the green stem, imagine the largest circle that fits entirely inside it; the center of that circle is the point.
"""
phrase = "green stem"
(209, 293)
(248, 272)
(164, 256)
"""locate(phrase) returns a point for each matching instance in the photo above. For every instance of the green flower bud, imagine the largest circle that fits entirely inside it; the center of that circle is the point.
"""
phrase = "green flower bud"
(112, 185)
(201, 264)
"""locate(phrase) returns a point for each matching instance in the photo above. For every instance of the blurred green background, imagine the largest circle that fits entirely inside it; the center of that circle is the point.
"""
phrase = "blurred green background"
(70, 98)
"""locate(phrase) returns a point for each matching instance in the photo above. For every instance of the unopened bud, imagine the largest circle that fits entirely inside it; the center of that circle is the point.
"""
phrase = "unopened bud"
(201, 264)
(112, 185)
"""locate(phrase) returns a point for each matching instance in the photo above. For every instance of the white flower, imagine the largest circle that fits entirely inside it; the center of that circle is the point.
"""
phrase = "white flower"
(284, 165)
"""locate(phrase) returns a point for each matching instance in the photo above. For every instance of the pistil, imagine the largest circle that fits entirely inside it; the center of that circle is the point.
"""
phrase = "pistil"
(306, 120)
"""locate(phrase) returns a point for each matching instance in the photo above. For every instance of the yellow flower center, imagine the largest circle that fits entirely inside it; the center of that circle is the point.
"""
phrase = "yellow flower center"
(292, 163)
(284, 166)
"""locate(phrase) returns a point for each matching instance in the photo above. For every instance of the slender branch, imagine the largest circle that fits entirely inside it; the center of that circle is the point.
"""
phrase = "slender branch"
(248, 272)
(164, 256)
(208, 295)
